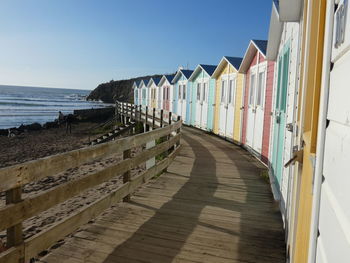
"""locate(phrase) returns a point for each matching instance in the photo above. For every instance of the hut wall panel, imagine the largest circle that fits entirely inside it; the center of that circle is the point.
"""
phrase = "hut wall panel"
(267, 113)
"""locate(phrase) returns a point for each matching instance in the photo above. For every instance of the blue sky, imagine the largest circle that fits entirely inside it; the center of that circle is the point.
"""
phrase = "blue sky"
(81, 43)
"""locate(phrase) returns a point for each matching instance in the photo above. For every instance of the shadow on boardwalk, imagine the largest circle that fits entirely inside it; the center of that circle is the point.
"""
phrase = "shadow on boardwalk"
(249, 219)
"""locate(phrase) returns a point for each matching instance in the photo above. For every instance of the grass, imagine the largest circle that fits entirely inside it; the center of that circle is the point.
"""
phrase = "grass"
(105, 129)
(265, 175)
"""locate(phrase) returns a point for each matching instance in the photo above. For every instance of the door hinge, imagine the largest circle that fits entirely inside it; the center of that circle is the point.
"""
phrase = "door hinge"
(290, 127)
(297, 157)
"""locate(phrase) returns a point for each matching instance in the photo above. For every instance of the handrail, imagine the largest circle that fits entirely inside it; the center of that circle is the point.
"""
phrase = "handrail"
(138, 112)
(14, 177)
(90, 130)
(102, 124)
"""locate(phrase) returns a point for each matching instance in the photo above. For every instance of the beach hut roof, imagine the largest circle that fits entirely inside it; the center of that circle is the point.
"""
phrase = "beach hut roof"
(186, 72)
(277, 4)
(143, 82)
(275, 32)
(289, 11)
(261, 45)
(254, 45)
(154, 80)
(136, 84)
(282, 11)
(209, 69)
(168, 77)
(233, 61)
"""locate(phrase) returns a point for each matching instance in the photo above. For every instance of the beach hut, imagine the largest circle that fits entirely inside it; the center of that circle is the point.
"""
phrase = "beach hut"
(229, 99)
(144, 92)
(259, 74)
(135, 88)
(323, 218)
(152, 90)
(329, 236)
(166, 92)
(182, 91)
(203, 92)
(284, 44)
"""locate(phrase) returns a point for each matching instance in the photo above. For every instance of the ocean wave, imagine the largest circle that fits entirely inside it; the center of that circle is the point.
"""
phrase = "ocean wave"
(27, 105)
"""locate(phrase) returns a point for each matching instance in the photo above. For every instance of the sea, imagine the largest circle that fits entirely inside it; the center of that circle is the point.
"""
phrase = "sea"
(26, 105)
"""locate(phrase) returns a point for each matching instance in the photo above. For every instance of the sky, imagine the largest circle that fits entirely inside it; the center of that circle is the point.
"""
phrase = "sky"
(81, 43)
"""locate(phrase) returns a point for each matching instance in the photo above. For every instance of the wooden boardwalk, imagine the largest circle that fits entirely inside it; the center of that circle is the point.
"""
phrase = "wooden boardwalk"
(210, 206)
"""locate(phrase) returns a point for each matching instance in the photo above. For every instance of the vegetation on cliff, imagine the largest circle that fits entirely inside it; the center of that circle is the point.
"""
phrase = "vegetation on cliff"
(114, 90)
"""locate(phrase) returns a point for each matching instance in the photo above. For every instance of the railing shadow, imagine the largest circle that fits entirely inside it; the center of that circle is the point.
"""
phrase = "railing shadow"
(173, 223)
(261, 235)
(180, 223)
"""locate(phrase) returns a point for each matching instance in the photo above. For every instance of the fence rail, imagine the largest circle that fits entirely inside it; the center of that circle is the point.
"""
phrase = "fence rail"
(151, 116)
(13, 178)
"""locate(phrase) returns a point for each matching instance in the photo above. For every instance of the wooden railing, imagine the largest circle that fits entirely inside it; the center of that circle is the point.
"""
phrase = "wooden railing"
(151, 116)
(13, 178)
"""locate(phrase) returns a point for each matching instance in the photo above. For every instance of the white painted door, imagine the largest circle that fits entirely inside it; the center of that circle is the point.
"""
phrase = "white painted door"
(159, 97)
(204, 115)
(223, 106)
(198, 105)
(183, 102)
(171, 97)
(179, 100)
(333, 242)
(259, 108)
(230, 106)
(251, 108)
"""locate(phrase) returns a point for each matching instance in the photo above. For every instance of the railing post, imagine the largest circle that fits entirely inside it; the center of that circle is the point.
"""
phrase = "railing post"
(135, 115)
(161, 118)
(116, 110)
(170, 118)
(154, 118)
(15, 233)
(126, 175)
(146, 120)
(140, 113)
(178, 131)
(123, 113)
(131, 112)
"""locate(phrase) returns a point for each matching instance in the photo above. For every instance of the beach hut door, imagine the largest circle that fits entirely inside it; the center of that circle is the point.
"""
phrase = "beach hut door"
(159, 97)
(205, 95)
(179, 101)
(251, 108)
(198, 105)
(259, 108)
(280, 116)
(231, 91)
(223, 107)
(183, 101)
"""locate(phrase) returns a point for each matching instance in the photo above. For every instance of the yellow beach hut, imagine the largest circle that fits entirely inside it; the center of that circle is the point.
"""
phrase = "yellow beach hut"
(228, 99)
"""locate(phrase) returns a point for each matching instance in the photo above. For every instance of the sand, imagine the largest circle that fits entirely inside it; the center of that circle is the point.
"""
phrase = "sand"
(37, 144)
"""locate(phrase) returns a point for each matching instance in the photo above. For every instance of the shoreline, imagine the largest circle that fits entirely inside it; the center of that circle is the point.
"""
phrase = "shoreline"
(89, 114)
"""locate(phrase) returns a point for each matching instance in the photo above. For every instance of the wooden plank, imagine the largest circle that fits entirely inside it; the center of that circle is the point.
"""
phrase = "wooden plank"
(13, 254)
(16, 213)
(20, 174)
(43, 240)
(14, 233)
(127, 174)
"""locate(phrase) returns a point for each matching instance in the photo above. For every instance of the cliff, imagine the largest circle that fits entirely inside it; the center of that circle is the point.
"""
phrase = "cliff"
(114, 90)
